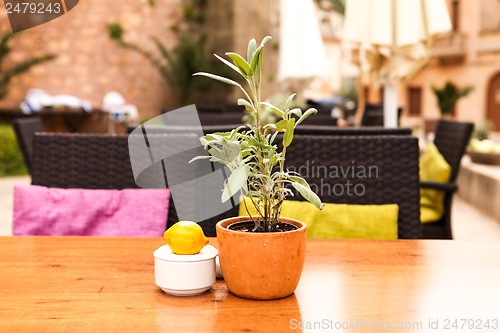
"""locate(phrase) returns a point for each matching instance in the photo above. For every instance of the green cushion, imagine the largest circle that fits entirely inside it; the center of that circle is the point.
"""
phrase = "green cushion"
(341, 220)
(433, 167)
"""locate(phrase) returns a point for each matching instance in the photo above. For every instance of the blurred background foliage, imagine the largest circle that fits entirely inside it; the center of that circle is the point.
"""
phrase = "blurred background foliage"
(8, 73)
(11, 159)
(448, 96)
(191, 54)
(335, 5)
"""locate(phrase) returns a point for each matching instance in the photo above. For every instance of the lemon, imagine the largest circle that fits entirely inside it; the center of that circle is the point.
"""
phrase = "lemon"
(185, 237)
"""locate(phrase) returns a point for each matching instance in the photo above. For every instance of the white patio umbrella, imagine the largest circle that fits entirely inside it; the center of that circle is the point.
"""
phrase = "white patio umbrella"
(396, 36)
(302, 53)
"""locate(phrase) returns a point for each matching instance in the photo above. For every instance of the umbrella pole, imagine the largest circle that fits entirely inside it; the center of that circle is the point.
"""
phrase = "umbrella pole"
(358, 119)
(390, 106)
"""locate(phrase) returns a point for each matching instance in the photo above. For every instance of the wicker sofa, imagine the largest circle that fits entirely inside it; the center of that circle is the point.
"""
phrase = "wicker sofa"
(102, 161)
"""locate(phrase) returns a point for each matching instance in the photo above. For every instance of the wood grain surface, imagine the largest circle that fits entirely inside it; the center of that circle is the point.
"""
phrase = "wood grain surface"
(87, 284)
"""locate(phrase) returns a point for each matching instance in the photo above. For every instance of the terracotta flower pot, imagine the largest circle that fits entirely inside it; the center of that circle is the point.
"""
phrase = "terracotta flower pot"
(261, 266)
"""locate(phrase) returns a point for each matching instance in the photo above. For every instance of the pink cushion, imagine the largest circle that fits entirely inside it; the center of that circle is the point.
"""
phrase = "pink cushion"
(40, 210)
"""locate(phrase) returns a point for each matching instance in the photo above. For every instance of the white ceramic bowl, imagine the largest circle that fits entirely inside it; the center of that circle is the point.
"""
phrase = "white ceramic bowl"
(184, 275)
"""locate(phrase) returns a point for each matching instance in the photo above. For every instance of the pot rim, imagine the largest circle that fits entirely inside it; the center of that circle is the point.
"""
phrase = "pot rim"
(301, 226)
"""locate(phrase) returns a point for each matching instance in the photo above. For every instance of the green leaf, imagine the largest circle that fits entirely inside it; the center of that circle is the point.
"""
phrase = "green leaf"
(265, 40)
(235, 133)
(271, 127)
(254, 143)
(274, 159)
(217, 153)
(301, 185)
(246, 103)
(255, 60)
(257, 57)
(200, 157)
(273, 137)
(211, 137)
(281, 125)
(288, 137)
(296, 111)
(252, 45)
(225, 152)
(289, 101)
(255, 194)
(235, 182)
(227, 63)
(231, 151)
(274, 108)
(305, 115)
(240, 62)
(219, 78)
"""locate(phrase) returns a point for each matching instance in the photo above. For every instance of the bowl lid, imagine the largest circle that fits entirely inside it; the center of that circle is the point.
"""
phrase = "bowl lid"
(165, 253)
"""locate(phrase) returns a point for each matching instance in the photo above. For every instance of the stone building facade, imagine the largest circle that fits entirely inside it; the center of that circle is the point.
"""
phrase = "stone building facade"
(467, 56)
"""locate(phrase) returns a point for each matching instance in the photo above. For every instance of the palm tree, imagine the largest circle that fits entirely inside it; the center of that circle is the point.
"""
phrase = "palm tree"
(448, 96)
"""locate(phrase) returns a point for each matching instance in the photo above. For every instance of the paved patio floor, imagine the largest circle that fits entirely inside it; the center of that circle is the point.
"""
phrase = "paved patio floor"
(468, 222)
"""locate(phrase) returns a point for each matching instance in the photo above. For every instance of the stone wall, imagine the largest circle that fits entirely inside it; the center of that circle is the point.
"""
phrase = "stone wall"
(479, 185)
(89, 64)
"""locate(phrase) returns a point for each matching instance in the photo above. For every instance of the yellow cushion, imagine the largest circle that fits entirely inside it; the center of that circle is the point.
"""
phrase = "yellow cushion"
(341, 220)
(428, 214)
(433, 167)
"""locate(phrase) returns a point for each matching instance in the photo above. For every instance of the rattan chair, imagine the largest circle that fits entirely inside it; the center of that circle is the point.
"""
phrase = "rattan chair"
(102, 161)
(165, 129)
(373, 115)
(96, 161)
(303, 129)
(392, 158)
(451, 139)
(25, 128)
(334, 130)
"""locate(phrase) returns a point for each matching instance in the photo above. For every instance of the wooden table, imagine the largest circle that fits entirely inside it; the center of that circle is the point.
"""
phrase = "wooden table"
(85, 284)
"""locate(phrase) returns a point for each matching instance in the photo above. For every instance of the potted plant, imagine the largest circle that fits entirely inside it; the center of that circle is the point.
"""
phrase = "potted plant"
(261, 256)
(448, 96)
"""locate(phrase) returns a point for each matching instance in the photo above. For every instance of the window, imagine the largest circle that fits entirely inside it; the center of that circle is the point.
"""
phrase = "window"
(415, 101)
